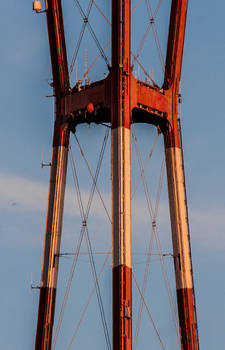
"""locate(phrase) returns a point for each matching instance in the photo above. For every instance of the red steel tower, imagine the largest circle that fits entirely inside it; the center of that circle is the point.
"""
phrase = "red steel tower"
(119, 99)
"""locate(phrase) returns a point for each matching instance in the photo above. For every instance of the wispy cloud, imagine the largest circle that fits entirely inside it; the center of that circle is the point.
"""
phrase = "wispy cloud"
(208, 228)
(25, 195)
(31, 196)
(22, 193)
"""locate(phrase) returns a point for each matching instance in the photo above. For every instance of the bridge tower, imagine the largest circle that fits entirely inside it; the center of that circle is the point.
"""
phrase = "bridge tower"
(119, 99)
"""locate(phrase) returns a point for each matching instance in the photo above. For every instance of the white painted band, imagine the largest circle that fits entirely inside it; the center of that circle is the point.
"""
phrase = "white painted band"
(54, 218)
(178, 214)
(121, 196)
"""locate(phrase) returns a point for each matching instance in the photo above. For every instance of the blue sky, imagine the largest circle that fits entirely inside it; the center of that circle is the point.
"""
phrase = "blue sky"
(25, 133)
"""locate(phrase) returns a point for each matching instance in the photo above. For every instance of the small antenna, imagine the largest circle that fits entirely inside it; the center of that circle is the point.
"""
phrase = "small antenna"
(31, 283)
(76, 72)
(87, 80)
(42, 162)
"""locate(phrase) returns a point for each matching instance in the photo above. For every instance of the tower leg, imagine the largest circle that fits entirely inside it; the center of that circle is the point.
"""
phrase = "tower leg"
(121, 175)
(52, 236)
(122, 275)
(181, 244)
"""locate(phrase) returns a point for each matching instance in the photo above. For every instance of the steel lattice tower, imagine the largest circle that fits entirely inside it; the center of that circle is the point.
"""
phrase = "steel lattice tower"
(119, 99)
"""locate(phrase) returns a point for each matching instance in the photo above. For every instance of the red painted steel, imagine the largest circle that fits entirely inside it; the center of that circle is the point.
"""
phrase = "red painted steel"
(57, 178)
(175, 44)
(52, 236)
(121, 70)
(118, 98)
(187, 319)
(185, 296)
(121, 227)
(122, 308)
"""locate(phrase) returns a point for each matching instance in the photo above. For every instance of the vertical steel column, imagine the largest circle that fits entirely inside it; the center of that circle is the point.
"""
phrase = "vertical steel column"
(176, 186)
(57, 181)
(52, 237)
(181, 244)
(121, 175)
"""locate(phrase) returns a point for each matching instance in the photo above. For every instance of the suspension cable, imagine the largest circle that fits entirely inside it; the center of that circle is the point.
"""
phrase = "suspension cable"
(144, 285)
(135, 6)
(90, 252)
(144, 70)
(89, 300)
(102, 13)
(94, 273)
(71, 274)
(148, 311)
(86, 21)
(152, 17)
(153, 216)
(81, 36)
(145, 165)
(90, 172)
(95, 61)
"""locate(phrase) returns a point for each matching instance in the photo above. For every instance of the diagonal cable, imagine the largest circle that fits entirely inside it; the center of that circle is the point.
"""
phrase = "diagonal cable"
(136, 5)
(101, 12)
(158, 243)
(144, 70)
(89, 300)
(86, 20)
(152, 218)
(140, 47)
(152, 20)
(94, 62)
(148, 311)
(93, 268)
(153, 233)
(97, 288)
(145, 165)
(69, 282)
(146, 273)
(152, 17)
(81, 36)
(93, 179)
